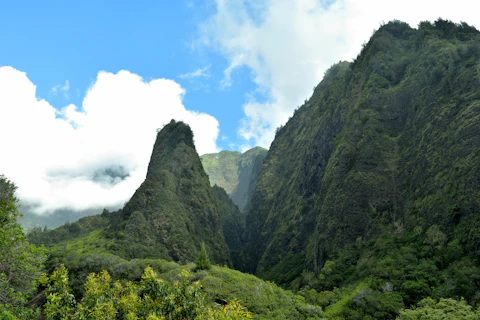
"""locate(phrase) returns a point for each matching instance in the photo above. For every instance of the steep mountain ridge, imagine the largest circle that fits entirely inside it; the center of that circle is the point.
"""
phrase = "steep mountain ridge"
(387, 143)
(174, 209)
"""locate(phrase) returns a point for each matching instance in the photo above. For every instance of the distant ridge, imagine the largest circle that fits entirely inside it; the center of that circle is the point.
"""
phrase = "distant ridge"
(235, 172)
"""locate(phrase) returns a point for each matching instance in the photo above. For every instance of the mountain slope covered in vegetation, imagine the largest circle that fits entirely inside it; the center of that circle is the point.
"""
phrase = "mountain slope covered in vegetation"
(174, 209)
(380, 165)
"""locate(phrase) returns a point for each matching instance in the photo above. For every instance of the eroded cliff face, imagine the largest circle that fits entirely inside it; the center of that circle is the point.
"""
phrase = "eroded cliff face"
(388, 143)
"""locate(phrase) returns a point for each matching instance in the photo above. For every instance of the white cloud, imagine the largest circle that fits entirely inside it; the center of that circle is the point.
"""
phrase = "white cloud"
(93, 156)
(202, 72)
(288, 45)
(62, 88)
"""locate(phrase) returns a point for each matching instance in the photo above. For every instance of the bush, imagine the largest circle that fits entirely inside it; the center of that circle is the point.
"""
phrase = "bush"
(152, 298)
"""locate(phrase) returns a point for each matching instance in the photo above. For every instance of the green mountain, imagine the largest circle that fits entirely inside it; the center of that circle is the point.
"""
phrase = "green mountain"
(167, 218)
(170, 214)
(235, 172)
(174, 209)
(384, 157)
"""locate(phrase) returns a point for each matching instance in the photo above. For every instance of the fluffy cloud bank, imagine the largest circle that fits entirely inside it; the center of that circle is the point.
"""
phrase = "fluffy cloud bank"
(93, 156)
(288, 45)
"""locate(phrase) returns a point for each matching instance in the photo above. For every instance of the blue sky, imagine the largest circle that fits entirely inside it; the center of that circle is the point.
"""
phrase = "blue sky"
(59, 41)
(84, 85)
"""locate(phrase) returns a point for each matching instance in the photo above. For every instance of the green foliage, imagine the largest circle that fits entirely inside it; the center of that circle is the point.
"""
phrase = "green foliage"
(203, 262)
(393, 272)
(183, 300)
(429, 308)
(264, 299)
(6, 315)
(221, 285)
(20, 262)
(232, 310)
(151, 298)
(83, 260)
(363, 302)
(68, 230)
(61, 302)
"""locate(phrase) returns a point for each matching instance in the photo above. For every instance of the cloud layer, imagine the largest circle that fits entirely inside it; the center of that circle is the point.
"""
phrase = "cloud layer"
(202, 73)
(93, 156)
(288, 45)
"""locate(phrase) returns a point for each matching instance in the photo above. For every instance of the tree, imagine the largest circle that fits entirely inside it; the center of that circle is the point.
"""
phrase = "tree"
(20, 262)
(61, 302)
(203, 262)
(429, 308)
(152, 299)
